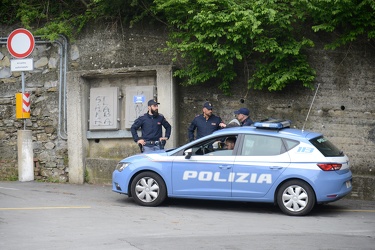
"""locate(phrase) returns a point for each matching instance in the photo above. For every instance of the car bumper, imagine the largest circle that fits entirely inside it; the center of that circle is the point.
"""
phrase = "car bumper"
(118, 183)
(334, 189)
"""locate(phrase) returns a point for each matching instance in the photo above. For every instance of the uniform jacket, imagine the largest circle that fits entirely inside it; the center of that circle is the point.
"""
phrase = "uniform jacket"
(247, 122)
(151, 127)
(204, 127)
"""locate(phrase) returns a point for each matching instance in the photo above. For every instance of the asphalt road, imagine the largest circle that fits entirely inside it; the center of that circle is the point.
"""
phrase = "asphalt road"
(36, 215)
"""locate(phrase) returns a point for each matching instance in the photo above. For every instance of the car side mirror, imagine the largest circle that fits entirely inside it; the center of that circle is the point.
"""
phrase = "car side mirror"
(188, 153)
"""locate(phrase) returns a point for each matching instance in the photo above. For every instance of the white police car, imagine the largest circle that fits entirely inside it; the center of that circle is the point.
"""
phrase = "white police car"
(270, 162)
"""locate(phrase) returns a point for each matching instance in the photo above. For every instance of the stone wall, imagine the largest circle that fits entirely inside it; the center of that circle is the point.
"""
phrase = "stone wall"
(42, 83)
(343, 109)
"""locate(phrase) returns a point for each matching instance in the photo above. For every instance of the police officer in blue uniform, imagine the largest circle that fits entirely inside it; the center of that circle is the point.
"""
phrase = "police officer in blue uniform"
(151, 126)
(243, 117)
(205, 123)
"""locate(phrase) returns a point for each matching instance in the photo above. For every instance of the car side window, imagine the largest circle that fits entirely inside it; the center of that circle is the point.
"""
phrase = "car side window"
(290, 144)
(215, 146)
(260, 145)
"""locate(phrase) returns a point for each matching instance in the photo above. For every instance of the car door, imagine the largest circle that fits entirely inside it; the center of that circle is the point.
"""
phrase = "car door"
(259, 163)
(203, 171)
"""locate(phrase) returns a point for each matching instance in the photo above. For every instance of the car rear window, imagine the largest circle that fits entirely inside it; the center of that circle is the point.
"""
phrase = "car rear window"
(326, 147)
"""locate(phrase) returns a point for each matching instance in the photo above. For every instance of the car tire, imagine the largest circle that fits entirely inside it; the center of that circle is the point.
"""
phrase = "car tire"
(148, 189)
(296, 198)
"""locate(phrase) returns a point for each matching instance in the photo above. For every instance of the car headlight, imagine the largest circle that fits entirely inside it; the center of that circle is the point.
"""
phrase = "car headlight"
(122, 165)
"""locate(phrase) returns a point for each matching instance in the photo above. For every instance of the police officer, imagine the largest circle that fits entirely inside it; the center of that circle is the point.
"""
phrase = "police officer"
(151, 126)
(205, 123)
(243, 117)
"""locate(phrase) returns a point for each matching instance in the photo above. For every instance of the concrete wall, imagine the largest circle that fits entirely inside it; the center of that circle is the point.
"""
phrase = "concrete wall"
(91, 150)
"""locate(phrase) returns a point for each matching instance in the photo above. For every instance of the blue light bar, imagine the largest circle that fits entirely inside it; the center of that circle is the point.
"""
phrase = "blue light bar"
(273, 124)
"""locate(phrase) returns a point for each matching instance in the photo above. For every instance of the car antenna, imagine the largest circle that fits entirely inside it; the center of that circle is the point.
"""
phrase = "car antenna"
(312, 102)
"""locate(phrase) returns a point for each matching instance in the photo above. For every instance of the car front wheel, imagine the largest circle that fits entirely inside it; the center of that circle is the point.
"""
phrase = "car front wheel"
(148, 189)
(295, 197)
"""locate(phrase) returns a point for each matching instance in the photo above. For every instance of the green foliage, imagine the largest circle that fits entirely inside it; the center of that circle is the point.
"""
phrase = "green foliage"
(348, 19)
(12, 177)
(214, 36)
(283, 66)
(50, 18)
(8, 12)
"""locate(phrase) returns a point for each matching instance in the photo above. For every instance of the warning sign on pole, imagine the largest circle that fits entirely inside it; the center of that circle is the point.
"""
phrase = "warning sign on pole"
(23, 105)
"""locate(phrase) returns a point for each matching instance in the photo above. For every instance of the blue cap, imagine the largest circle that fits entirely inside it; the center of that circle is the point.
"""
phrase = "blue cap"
(152, 102)
(243, 111)
(207, 105)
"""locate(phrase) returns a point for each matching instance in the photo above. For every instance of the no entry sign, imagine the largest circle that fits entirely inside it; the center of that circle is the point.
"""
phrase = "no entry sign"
(20, 43)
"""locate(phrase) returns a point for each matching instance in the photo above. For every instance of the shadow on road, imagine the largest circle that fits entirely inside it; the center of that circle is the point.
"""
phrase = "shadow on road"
(330, 209)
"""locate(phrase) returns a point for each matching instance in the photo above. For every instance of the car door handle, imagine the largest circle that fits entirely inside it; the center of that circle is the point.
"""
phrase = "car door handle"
(276, 167)
(225, 166)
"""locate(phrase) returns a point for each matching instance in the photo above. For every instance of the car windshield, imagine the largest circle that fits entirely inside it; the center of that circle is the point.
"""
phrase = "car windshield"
(326, 147)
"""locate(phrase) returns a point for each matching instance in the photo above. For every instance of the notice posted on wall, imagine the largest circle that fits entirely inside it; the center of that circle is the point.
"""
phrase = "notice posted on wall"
(104, 104)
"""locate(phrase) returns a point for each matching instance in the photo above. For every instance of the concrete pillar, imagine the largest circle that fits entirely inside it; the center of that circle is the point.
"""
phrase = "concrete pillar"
(77, 100)
(167, 98)
(25, 155)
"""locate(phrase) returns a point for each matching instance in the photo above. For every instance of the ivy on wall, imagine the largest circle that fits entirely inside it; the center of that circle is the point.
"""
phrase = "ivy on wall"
(213, 37)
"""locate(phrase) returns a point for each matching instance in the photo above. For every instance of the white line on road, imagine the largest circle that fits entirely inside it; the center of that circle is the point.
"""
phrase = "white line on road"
(9, 188)
(42, 208)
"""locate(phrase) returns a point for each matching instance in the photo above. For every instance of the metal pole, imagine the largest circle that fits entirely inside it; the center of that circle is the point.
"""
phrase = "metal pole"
(23, 92)
(23, 82)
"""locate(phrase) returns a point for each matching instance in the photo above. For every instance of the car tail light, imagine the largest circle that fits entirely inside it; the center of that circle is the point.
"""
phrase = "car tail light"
(329, 166)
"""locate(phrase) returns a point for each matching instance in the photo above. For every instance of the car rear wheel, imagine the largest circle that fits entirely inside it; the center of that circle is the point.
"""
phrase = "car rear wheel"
(148, 189)
(295, 197)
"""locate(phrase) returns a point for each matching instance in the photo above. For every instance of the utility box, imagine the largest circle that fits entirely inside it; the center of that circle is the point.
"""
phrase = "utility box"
(137, 98)
(104, 108)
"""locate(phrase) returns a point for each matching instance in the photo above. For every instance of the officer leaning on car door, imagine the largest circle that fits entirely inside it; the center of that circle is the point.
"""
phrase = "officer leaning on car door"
(151, 127)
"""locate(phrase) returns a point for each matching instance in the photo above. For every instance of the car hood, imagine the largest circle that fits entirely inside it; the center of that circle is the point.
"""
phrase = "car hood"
(139, 157)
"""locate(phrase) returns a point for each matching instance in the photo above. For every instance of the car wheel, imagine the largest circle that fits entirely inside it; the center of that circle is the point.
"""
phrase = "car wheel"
(295, 197)
(148, 189)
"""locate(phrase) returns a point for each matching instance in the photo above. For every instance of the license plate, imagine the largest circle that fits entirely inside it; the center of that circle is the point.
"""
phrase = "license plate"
(348, 184)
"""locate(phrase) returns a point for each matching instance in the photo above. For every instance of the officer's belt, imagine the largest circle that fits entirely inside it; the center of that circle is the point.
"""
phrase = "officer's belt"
(152, 143)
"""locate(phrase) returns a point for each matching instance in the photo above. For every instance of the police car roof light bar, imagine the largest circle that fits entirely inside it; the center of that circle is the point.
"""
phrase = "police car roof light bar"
(273, 124)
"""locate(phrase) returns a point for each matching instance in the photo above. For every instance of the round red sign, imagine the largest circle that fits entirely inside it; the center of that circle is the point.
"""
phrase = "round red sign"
(20, 43)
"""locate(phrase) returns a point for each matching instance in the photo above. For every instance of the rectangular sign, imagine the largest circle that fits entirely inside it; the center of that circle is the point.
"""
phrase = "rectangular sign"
(22, 64)
(104, 108)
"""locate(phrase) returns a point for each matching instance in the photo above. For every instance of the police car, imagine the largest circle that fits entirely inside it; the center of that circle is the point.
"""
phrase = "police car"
(270, 162)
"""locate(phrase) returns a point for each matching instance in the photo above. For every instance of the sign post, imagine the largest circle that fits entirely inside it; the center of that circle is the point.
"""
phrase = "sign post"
(21, 44)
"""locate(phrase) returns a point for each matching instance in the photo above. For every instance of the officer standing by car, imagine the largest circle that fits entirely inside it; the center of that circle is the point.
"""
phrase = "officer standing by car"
(151, 126)
(243, 117)
(205, 123)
